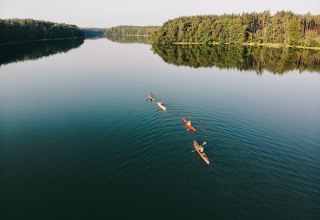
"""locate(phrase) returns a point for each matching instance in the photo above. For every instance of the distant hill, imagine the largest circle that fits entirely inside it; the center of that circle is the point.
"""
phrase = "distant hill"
(16, 30)
(93, 32)
(131, 30)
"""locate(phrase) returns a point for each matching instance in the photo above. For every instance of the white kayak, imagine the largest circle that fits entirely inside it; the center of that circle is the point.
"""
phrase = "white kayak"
(162, 106)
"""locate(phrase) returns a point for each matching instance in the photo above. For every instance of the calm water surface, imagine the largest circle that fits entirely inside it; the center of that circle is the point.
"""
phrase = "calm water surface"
(78, 140)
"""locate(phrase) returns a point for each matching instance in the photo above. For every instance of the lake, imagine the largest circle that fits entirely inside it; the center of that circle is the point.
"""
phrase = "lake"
(78, 140)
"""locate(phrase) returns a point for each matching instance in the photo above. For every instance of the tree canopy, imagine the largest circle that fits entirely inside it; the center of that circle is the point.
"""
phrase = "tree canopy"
(284, 28)
(93, 32)
(130, 39)
(13, 30)
(131, 30)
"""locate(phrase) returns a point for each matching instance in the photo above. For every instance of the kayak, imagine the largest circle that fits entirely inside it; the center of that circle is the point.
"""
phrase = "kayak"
(150, 97)
(162, 106)
(202, 154)
(185, 122)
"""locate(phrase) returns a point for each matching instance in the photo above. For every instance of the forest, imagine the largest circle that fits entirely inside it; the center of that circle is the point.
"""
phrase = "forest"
(17, 30)
(255, 58)
(281, 29)
(131, 30)
(93, 32)
(130, 39)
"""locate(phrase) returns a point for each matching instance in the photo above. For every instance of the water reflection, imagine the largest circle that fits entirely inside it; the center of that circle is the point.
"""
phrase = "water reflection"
(129, 39)
(275, 60)
(34, 50)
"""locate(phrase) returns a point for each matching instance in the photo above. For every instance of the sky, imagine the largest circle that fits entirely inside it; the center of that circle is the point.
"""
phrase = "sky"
(107, 13)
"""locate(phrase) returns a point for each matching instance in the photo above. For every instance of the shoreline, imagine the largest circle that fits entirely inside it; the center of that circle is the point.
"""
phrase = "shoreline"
(269, 45)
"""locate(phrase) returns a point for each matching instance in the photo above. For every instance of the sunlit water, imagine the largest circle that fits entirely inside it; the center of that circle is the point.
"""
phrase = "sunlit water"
(78, 140)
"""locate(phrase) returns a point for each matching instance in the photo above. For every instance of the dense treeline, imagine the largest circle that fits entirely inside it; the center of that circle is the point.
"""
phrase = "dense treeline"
(284, 28)
(275, 60)
(35, 50)
(93, 32)
(130, 39)
(13, 30)
(131, 30)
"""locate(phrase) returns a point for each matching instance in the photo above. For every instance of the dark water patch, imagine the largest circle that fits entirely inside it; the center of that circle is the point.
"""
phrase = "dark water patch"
(35, 50)
(242, 58)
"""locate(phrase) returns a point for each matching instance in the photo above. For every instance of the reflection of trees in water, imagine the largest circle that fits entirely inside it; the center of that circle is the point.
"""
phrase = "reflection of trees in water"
(275, 60)
(34, 50)
(130, 39)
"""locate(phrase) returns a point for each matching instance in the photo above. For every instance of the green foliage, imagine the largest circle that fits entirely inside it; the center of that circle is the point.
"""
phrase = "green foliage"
(294, 32)
(275, 60)
(130, 39)
(14, 30)
(285, 28)
(312, 39)
(131, 30)
(93, 32)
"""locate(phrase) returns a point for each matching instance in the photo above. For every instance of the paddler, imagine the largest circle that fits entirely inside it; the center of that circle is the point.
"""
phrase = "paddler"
(189, 123)
(201, 149)
(150, 96)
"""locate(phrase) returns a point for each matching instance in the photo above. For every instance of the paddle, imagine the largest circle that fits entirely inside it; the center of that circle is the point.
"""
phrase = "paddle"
(202, 144)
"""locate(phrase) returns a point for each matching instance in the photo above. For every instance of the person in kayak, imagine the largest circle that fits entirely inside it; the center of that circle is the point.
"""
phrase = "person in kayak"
(189, 123)
(150, 96)
(201, 149)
